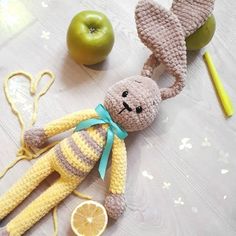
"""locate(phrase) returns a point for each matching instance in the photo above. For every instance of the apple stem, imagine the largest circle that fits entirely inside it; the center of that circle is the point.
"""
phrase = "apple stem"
(92, 30)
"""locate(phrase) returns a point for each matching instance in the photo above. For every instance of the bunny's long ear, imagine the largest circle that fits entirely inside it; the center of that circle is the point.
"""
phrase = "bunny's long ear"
(161, 31)
(192, 14)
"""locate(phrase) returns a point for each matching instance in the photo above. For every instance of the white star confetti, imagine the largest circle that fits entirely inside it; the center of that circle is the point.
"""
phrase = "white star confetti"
(223, 157)
(19, 98)
(147, 175)
(165, 120)
(206, 142)
(224, 171)
(194, 210)
(225, 196)
(27, 108)
(44, 4)
(185, 144)
(166, 185)
(45, 35)
(178, 201)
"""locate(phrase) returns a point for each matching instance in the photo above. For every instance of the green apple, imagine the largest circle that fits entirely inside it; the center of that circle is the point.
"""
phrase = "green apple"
(90, 37)
(202, 36)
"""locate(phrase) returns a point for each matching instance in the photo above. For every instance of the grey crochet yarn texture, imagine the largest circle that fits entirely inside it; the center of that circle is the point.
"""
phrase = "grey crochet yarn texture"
(164, 32)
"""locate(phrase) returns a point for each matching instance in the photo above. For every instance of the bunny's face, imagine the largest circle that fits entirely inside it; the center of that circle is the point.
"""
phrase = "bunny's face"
(133, 102)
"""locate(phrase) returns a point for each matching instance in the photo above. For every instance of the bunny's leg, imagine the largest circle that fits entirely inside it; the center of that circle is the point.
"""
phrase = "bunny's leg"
(40, 206)
(18, 192)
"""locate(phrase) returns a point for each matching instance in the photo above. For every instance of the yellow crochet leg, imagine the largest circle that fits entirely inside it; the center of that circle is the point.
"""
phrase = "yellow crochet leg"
(18, 192)
(40, 206)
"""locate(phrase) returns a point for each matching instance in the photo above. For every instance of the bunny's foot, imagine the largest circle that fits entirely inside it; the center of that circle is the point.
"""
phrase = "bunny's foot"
(35, 137)
(3, 232)
(115, 205)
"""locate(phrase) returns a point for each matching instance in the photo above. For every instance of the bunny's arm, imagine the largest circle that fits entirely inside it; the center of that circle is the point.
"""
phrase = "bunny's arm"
(115, 201)
(149, 66)
(36, 137)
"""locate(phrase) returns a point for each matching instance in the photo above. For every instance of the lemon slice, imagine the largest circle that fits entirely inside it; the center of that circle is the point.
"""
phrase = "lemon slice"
(89, 219)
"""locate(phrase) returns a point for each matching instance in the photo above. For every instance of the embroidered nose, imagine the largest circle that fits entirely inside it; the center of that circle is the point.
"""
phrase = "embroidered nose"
(127, 106)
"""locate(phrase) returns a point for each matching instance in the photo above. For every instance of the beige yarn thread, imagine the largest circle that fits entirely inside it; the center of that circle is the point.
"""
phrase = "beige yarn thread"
(24, 153)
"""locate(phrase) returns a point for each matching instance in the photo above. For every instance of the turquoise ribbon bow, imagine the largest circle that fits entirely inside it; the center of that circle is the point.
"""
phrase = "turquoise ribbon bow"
(113, 129)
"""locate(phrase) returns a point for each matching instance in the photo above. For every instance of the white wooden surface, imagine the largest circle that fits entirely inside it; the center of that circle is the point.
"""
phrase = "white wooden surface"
(181, 170)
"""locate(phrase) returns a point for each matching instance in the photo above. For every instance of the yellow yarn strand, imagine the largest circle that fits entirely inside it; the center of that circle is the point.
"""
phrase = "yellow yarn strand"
(12, 165)
(9, 99)
(55, 221)
(24, 153)
(41, 93)
(81, 195)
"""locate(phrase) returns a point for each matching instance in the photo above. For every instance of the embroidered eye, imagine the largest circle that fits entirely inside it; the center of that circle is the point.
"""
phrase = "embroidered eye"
(139, 109)
(125, 94)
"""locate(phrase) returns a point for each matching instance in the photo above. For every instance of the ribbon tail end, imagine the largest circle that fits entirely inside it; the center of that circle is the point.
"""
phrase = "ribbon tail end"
(102, 174)
(76, 129)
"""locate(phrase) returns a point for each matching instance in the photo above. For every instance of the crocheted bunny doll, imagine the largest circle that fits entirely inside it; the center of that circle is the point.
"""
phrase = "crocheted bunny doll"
(130, 105)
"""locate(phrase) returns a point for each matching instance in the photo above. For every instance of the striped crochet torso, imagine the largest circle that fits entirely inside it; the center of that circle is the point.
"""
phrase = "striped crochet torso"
(79, 153)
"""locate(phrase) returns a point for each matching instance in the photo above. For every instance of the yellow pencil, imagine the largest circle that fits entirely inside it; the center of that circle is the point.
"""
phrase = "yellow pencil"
(221, 92)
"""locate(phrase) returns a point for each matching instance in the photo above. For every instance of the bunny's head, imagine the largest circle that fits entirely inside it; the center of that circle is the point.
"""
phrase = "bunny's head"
(133, 102)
